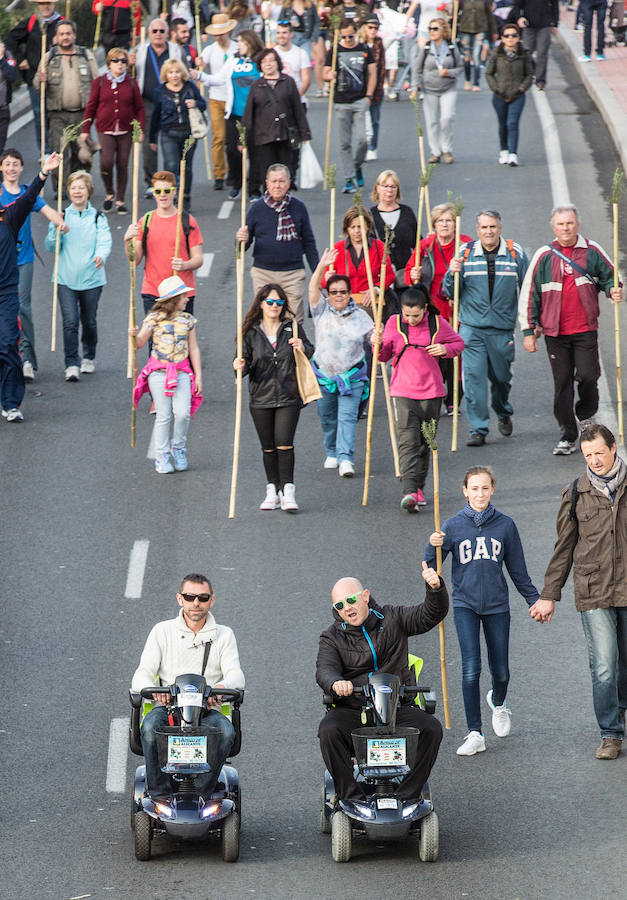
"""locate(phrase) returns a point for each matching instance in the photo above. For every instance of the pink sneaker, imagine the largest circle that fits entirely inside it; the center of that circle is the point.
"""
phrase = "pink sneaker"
(410, 503)
(420, 498)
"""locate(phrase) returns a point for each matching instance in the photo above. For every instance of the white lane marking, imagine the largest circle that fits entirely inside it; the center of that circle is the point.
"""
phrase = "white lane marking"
(226, 209)
(118, 755)
(559, 187)
(557, 172)
(20, 123)
(136, 567)
(204, 270)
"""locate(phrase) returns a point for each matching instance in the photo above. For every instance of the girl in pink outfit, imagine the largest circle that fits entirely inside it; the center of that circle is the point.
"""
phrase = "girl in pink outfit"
(413, 341)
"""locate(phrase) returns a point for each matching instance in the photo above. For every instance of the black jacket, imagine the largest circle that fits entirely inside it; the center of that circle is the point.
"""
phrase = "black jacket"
(272, 372)
(270, 112)
(509, 78)
(344, 652)
(404, 235)
(24, 43)
(539, 13)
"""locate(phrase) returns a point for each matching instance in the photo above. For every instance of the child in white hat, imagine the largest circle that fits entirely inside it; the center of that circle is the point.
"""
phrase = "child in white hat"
(172, 374)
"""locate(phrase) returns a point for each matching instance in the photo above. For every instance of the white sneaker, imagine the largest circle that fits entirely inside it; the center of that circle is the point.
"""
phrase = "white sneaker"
(13, 415)
(513, 159)
(288, 499)
(347, 469)
(564, 448)
(503, 157)
(501, 717)
(371, 155)
(330, 462)
(88, 366)
(473, 743)
(28, 372)
(272, 500)
(72, 373)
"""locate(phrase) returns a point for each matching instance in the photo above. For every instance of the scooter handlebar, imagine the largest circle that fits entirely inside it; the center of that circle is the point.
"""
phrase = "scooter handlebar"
(148, 693)
(358, 690)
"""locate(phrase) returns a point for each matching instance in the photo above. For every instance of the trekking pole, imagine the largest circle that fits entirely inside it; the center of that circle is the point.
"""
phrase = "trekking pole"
(239, 270)
(131, 368)
(429, 430)
(458, 227)
(424, 181)
(423, 167)
(70, 133)
(42, 98)
(330, 180)
(617, 187)
(327, 147)
(189, 143)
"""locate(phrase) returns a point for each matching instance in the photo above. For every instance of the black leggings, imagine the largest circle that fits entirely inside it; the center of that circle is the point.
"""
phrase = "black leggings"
(276, 427)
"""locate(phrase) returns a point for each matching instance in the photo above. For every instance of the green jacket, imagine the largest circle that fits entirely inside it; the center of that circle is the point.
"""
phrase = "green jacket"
(509, 78)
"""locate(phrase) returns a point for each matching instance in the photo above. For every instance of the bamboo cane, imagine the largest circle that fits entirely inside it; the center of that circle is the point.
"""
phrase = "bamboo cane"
(240, 270)
(97, 31)
(132, 313)
(327, 146)
(455, 17)
(164, 8)
(458, 227)
(70, 133)
(189, 143)
(429, 430)
(617, 187)
(378, 313)
(134, 5)
(423, 167)
(424, 181)
(42, 98)
(330, 177)
(68, 9)
(391, 420)
(205, 140)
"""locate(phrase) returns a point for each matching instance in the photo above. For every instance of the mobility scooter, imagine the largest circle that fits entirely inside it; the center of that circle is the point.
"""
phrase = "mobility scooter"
(184, 750)
(384, 754)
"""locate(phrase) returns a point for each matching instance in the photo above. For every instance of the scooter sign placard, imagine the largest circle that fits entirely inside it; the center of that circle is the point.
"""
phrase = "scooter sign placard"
(187, 748)
(386, 752)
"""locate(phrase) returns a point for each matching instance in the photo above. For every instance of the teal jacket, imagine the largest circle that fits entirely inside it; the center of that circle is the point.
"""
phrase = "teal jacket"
(476, 309)
(89, 236)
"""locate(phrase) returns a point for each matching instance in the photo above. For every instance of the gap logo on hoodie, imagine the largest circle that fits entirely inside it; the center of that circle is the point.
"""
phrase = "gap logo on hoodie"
(481, 549)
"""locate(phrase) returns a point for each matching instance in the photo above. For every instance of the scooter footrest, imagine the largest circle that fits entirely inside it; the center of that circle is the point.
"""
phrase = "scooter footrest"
(384, 771)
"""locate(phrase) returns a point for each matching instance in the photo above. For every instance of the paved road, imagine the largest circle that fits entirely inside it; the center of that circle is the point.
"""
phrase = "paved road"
(535, 817)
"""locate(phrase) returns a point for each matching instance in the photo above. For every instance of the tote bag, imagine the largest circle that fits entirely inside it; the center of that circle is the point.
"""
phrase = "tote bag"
(308, 386)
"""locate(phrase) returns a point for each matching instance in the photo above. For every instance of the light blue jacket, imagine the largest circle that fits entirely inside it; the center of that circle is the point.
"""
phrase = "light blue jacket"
(476, 309)
(89, 236)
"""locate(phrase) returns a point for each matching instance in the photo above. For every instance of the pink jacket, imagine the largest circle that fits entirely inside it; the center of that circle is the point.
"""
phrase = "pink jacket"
(171, 377)
(417, 374)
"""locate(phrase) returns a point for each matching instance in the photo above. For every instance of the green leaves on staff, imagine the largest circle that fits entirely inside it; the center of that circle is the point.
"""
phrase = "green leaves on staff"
(241, 133)
(331, 174)
(137, 132)
(429, 430)
(70, 134)
(457, 203)
(414, 100)
(618, 182)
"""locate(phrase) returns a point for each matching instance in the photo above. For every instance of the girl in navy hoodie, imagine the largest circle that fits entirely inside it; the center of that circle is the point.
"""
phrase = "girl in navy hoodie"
(481, 539)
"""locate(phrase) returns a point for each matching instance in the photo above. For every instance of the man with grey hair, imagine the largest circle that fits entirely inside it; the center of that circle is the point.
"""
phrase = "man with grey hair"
(279, 228)
(560, 299)
(491, 271)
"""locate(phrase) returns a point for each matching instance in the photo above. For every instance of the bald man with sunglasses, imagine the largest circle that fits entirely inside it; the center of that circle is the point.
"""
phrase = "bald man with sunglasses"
(366, 638)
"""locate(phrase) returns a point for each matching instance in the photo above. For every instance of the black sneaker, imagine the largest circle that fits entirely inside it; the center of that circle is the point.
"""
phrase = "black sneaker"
(359, 176)
(107, 206)
(121, 210)
(505, 426)
(218, 184)
(475, 439)
(234, 193)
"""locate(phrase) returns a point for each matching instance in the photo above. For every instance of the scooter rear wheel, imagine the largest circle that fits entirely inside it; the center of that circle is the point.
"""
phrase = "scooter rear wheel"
(230, 838)
(341, 837)
(429, 842)
(325, 822)
(143, 836)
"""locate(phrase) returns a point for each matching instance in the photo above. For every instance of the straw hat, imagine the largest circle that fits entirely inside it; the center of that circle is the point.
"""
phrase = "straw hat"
(171, 287)
(220, 24)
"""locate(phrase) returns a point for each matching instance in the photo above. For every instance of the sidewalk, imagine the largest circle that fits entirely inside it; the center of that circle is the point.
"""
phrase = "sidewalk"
(605, 81)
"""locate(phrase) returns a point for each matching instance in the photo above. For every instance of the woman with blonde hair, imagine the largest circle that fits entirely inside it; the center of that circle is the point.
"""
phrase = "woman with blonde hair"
(434, 71)
(388, 210)
(174, 97)
(83, 251)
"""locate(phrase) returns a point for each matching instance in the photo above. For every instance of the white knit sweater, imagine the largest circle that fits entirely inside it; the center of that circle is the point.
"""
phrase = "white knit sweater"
(174, 649)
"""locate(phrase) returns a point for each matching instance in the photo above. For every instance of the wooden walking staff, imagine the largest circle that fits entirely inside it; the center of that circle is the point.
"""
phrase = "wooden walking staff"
(189, 143)
(617, 187)
(429, 430)
(424, 181)
(334, 21)
(378, 314)
(205, 140)
(423, 167)
(70, 133)
(68, 9)
(134, 7)
(455, 18)
(458, 227)
(131, 371)
(98, 26)
(330, 179)
(239, 271)
(42, 98)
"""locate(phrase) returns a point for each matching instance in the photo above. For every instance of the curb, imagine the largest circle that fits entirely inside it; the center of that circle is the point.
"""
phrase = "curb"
(609, 107)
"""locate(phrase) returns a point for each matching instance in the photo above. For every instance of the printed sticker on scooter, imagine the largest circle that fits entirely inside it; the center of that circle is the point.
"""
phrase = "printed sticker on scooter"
(187, 748)
(387, 803)
(187, 698)
(386, 752)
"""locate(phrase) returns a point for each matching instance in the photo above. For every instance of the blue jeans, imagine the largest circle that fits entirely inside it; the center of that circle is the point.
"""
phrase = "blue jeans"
(338, 417)
(496, 634)
(508, 115)
(158, 782)
(487, 357)
(172, 149)
(606, 637)
(471, 46)
(75, 306)
(166, 407)
(11, 378)
(375, 118)
(27, 340)
(588, 8)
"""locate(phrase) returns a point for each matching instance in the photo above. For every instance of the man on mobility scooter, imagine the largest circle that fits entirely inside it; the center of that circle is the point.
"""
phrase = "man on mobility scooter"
(192, 644)
(366, 640)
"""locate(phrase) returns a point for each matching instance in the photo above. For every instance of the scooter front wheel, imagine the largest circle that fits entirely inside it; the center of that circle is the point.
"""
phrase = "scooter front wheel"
(230, 838)
(325, 822)
(143, 836)
(341, 837)
(429, 842)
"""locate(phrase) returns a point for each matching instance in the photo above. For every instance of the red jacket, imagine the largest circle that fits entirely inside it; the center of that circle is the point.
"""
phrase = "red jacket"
(109, 103)
(114, 5)
(434, 261)
(358, 276)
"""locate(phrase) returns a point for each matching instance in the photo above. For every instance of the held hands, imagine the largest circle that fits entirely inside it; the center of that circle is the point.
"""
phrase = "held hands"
(530, 343)
(430, 576)
(342, 688)
(542, 610)
(437, 538)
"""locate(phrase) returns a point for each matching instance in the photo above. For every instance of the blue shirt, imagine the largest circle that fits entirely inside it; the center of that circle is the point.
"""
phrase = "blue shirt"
(245, 71)
(25, 249)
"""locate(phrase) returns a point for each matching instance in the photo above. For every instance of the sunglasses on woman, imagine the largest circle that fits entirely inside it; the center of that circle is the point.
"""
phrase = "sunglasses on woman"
(350, 600)
(272, 300)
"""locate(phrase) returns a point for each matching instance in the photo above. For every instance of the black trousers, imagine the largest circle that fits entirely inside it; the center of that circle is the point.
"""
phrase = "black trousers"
(336, 746)
(413, 452)
(276, 427)
(574, 358)
(234, 159)
(269, 154)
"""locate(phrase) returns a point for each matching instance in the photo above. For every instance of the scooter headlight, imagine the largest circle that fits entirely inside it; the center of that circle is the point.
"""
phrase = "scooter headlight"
(210, 810)
(364, 810)
(409, 810)
(164, 810)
